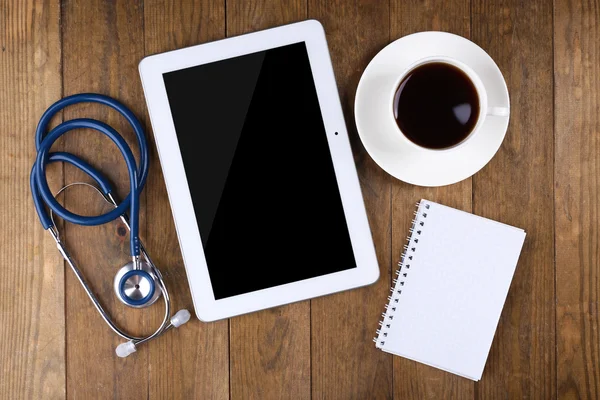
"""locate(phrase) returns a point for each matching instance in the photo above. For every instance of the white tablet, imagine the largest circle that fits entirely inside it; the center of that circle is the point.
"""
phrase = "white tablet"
(259, 170)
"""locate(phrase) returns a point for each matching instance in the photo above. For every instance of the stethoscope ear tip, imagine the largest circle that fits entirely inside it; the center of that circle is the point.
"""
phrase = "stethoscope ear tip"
(180, 318)
(125, 349)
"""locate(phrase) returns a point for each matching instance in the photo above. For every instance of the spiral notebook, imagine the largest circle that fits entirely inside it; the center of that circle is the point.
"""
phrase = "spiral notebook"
(450, 288)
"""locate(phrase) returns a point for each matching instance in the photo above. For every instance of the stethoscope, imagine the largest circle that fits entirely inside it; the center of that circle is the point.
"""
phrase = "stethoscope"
(139, 283)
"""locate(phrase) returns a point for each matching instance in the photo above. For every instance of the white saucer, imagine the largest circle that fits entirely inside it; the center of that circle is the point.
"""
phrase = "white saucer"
(380, 134)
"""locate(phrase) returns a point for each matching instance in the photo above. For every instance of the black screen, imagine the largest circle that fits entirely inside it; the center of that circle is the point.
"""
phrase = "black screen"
(259, 170)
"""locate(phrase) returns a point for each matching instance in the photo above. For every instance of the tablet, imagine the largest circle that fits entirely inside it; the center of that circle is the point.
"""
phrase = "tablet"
(259, 170)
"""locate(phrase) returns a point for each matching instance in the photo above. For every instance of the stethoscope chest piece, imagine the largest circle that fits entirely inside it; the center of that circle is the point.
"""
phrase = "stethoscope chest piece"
(136, 287)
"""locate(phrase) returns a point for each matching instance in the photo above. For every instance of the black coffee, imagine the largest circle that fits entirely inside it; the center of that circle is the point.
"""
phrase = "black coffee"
(436, 105)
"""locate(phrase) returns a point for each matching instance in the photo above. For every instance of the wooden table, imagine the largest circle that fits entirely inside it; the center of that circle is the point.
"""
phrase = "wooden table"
(545, 179)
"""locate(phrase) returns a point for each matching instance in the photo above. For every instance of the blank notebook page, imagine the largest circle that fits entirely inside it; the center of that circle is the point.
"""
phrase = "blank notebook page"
(451, 287)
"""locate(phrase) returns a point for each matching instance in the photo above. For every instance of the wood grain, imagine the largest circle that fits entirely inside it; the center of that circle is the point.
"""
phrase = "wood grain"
(516, 188)
(412, 379)
(32, 320)
(269, 351)
(345, 362)
(192, 362)
(543, 179)
(577, 174)
(101, 50)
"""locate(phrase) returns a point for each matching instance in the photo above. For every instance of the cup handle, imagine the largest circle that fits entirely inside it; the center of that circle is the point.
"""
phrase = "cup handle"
(498, 111)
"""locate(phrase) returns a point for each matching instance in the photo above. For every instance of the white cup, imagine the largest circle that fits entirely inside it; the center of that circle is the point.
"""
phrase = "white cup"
(484, 108)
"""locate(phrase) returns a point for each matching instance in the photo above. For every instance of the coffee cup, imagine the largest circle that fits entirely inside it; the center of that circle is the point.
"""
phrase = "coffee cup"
(440, 104)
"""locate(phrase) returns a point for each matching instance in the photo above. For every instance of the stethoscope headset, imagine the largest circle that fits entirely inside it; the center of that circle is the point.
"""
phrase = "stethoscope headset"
(139, 283)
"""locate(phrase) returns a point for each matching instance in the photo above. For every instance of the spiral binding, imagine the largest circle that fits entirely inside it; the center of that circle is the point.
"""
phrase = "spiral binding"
(402, 272)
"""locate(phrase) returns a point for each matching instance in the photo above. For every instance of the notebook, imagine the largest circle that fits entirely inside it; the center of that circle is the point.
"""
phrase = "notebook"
(449, 292)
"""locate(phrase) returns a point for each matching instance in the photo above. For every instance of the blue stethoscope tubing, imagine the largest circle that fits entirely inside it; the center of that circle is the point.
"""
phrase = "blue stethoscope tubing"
(42, 198)
(137, 175)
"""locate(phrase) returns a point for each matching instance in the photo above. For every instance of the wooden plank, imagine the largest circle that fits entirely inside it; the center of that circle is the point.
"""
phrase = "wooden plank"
(269, 350)
(577, 183)
(32, 321)
(192, 362)
(412, 379)
(345, 362)
(517, 188)
(101, 50)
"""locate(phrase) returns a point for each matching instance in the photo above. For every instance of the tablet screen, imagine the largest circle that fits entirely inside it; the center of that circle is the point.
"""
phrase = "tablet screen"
(259, 170)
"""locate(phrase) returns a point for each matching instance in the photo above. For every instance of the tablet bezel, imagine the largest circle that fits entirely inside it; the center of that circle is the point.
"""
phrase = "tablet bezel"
(151, 71)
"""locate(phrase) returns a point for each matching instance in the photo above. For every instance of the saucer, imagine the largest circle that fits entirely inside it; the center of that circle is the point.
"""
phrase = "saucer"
(380, 134)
